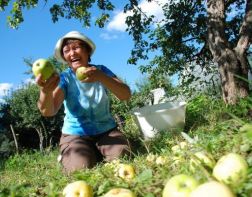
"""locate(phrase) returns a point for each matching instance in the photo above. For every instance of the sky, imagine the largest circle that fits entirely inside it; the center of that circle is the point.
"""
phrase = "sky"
(37, 35)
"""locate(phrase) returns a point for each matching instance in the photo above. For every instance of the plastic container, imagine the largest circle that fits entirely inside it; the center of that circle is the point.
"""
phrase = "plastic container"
(160, 117)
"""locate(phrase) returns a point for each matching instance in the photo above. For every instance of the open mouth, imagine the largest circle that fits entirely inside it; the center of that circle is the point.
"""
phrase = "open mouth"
(75, 60)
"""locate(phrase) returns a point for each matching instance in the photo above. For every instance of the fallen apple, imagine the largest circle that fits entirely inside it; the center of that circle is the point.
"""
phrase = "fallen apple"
(202, 158)
(212, 189)
(180, 186)
(78, 189)
(177, 160)
(43, 67)
(119, 192)
(126, 171)
(161, 160)
(151, 157)
(231, 169)
(176, 149)
(247, 130)
(80, 73)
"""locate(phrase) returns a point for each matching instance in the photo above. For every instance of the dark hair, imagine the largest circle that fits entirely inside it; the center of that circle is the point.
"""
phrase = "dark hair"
(73, 40)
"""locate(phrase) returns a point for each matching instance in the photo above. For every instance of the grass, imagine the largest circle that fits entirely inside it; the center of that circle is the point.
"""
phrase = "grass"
(218, 132)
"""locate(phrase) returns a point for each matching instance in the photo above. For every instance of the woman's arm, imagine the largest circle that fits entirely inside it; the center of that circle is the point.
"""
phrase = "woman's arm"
(115, 85)
(51, 96)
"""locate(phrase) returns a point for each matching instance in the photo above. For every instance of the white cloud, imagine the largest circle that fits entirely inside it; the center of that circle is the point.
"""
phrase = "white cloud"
(150, 8)
(107, 36)
(4, 87)
(29, 80)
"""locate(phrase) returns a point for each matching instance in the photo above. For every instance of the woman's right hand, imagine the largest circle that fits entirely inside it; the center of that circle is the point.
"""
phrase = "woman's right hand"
(48, 85)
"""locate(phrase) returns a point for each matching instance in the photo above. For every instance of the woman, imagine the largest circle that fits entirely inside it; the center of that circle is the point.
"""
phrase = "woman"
(89, 132)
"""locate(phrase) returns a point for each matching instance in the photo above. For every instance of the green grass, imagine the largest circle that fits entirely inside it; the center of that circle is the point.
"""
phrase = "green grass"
(218, 132)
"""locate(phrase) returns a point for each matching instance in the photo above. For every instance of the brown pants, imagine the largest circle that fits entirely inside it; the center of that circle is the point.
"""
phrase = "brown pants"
(85, 151)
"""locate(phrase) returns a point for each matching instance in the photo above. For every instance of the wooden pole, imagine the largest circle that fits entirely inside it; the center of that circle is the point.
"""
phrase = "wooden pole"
(15, 139)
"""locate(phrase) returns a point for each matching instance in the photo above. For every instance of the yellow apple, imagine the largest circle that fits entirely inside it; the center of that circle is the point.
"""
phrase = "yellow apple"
(119, 192)
(151, 157)
(78, 189)
(212, 189)
(202, 158)
(179, 147)
(231, 169)
(126, 171)
(177, 160)
(161, 160)
(180, 186)
(80, 73)
(43, 67)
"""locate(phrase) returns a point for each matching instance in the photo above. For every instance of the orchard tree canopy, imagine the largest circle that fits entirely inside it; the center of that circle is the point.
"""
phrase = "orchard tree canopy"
(199, 33)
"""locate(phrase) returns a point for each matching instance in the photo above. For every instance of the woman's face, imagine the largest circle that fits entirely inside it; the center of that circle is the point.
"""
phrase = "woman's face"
(75, 54)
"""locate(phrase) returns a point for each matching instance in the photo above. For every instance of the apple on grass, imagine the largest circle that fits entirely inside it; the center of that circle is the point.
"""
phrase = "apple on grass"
(180, 185)
(78, 189)
(231, 169)
(202, 158)
(212, 189)
(43, 67)
(176, 149)
(125, 171)
(119, 192)
(161, 160)
(80, 73)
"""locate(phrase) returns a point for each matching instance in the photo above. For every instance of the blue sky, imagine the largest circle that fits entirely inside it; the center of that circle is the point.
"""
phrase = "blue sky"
(37, 36)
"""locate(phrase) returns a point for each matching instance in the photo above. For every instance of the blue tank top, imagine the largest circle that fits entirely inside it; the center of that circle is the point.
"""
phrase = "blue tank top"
(87, 108)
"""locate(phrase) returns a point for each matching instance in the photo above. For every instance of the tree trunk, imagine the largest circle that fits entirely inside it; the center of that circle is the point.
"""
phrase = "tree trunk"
(232, 63)
(41, 139)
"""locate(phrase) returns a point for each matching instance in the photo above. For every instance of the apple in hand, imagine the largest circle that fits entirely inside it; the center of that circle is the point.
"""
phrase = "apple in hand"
(119, 192)
(180, 186)
(126, 171)
(43, 67)
(231, 169)
(212, 189)
(78, 189)
(80, 73)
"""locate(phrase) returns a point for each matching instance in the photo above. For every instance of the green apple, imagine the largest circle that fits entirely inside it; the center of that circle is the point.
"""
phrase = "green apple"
(126, 171)
(212, 189)
(43, 67)
(202, 158)
(180, 186)
(80, 73)
(78, 189)
(119, 192)
(247, 130)
(231, 169)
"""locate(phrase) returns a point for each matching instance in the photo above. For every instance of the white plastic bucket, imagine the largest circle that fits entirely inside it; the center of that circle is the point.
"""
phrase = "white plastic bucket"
(160, 117)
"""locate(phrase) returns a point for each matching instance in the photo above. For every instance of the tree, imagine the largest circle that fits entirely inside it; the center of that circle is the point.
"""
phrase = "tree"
(193, 32)
(20, 110)
(206, 33)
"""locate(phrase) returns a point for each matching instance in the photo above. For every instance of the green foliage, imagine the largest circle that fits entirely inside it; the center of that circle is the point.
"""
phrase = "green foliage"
(22, 112)
(178, 43)
(7, 146)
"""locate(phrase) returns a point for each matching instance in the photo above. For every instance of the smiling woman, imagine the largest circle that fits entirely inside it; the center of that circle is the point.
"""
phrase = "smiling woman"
(89, 132)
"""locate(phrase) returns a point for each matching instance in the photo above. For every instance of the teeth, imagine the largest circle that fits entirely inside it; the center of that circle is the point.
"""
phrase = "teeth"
(74, 60)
